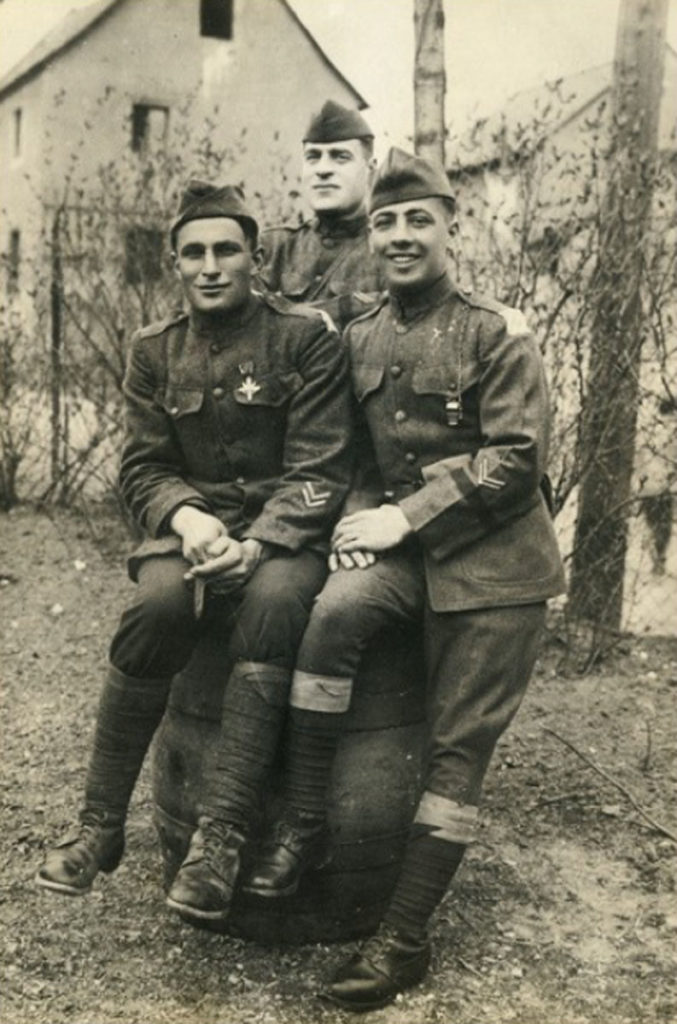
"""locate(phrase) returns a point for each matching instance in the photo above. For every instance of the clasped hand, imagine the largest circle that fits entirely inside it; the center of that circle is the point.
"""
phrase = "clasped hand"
(213, 552)
(359, 536)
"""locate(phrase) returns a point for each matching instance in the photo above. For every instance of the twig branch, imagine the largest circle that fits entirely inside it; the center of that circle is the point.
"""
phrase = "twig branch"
(557, 798)
(468, 967)
(466, 920)
(609, 778)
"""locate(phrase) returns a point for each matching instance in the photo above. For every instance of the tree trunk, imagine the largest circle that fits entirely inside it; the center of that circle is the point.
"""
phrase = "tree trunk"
(609, 416)
(56, 293)
(429, 80)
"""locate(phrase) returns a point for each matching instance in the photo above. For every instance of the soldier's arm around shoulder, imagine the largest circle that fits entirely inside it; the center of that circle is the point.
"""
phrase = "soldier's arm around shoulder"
(274, 242)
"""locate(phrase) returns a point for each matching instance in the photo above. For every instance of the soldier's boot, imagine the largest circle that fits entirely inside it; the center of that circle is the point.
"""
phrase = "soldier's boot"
(203, 887)
(387, 964)
(300, 840)
(290, 849)
(399, 955)
(254, 708)
(93, 846)
(129, 712)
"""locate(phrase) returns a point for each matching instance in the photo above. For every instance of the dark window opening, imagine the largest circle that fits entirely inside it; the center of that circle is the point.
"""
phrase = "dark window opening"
(16, 138)
(149, 127)
(144, 252)
(216, 19)
(14, 260)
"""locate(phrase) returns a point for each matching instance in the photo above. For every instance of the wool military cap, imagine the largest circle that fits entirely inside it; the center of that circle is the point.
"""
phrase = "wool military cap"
(403, 177)
(335, 123)
(202, 199)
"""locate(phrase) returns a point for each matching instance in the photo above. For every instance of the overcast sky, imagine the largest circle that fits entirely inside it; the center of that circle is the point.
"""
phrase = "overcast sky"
(494, 48)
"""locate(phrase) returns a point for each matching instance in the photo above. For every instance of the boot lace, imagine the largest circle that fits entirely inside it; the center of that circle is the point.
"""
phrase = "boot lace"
(215, 844)
(83, 843)
(378, 944)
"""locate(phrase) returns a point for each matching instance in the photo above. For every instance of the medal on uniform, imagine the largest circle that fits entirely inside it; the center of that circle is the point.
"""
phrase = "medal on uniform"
(248, 388)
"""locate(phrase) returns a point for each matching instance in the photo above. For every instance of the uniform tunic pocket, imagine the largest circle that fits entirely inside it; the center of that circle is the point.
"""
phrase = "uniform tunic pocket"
(435, 387)
(178, 401)
(366, 379)
(433, 380)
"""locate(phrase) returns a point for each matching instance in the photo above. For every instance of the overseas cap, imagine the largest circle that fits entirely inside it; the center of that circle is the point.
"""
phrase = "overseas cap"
(402, 177)
(335, 123)
(201, 199)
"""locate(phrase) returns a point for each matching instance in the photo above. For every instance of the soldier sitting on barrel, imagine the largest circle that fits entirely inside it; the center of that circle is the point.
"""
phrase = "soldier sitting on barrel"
(326, 260)
(235, 464)
(453, 397)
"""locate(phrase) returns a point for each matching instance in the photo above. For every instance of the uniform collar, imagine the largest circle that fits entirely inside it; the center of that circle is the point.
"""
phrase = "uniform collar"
(409, 305)
(340, 226)
(210, 324)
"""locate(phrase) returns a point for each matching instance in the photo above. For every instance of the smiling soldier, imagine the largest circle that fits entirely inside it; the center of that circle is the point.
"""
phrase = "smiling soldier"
(326, 260)
(235, 464)
(454, 403)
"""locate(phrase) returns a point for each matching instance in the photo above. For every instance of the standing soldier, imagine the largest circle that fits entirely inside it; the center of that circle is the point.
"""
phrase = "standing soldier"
(326, 261)
(235, 464)
(453, 395)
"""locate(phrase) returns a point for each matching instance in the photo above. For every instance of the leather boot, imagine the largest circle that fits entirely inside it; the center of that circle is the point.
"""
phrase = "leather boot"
(387, 964)
(203, 887)
(97, 844)
(286, 854)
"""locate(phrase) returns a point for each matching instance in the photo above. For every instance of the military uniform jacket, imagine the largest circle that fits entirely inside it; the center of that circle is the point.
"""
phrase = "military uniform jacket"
(329, 265)
(454, 397)
(247, 418)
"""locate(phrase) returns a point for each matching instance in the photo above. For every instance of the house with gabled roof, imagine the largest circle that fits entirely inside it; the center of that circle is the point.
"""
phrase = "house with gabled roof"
(122, 77)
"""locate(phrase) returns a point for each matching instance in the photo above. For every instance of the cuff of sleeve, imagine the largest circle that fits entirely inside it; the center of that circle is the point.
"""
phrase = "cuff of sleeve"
(166, 504)
(416, 509)
(276, 533)
(166, 524)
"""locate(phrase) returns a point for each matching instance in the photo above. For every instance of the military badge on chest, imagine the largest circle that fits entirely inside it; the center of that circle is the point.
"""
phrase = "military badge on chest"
(248, 388)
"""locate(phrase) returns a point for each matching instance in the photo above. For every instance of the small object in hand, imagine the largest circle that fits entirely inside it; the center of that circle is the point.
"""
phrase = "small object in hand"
(199, 596)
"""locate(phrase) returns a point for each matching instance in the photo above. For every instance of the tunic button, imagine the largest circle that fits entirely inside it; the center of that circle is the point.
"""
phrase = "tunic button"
(410, 456)
(400, 416)
(401, 328)
(214, 347)
(218, 392)
(239, 480)
(396, 370)
(174, 411)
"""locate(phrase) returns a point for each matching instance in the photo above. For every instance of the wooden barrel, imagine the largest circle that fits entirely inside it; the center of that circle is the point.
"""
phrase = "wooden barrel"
(374, 788)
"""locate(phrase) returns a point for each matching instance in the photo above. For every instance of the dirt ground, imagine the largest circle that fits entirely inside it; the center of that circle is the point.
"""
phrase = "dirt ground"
(563, 913)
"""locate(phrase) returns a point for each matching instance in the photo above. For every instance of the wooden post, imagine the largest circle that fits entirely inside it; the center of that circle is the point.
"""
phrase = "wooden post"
(609, 416)
(429, 80)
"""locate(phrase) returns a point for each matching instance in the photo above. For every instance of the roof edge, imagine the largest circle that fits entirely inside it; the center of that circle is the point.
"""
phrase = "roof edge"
(361, 102)
(34, 69)
(39, 65)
